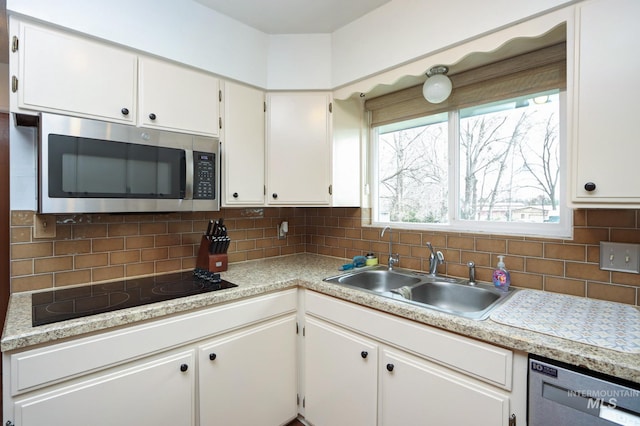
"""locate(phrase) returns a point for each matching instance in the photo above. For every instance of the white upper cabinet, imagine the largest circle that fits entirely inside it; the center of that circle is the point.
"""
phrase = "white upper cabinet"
(298, 148)
(58, 72)
(67, 74)
(243, 145)
(606, 139)
(174, 97)
(348, 124)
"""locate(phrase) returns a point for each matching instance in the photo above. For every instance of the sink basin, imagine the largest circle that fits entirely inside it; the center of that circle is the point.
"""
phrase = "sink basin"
(378, 280)
(453, 297)
(444, 294)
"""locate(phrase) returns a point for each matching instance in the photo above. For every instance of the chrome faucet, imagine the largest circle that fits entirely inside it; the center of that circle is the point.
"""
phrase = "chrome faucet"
(393, 258)
(472, 273)
(435, 259)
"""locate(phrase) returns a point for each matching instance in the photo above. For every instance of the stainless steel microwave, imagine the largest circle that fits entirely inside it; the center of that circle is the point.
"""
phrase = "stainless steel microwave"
(90, 166)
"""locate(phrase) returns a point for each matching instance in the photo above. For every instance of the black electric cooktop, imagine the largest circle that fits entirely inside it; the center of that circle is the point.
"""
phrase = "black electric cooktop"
(64, 304)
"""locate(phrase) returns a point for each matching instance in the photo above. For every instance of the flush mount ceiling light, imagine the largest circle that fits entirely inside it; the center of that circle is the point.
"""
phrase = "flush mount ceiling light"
(437, 88)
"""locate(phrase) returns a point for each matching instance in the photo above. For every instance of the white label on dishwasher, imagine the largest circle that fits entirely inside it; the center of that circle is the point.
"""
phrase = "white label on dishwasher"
(618, 416)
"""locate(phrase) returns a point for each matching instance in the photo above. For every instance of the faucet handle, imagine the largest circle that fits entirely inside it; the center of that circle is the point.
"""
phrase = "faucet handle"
(472, 273)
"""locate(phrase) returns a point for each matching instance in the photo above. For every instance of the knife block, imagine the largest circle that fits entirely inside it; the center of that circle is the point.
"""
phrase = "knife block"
(211, 262)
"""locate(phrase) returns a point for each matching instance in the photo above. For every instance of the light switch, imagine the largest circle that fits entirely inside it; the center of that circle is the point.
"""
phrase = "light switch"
(621, 257)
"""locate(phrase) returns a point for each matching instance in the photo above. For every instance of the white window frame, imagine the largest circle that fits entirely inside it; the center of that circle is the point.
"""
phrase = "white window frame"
(560, 230)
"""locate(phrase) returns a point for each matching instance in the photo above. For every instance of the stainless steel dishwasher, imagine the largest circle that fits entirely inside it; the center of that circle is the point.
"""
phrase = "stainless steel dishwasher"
(563, 395)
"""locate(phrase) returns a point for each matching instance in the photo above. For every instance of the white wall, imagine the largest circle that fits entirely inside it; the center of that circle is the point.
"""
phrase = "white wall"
(183, 30)
(299, 61)
(404, 30)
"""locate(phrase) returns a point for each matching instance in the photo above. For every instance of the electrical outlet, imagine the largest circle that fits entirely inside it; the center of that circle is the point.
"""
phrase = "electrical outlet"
(621, 257)
(44, 226)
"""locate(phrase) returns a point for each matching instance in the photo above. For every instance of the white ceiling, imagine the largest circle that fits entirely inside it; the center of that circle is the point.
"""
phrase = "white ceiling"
(294, 16)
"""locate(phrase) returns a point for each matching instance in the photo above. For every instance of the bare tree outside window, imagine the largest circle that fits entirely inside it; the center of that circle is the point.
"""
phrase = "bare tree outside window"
(508, 165)
(413, 183)
(511, 155)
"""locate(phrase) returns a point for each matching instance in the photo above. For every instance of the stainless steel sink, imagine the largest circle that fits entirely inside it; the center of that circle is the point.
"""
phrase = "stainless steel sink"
(454, 296)
(377, 280)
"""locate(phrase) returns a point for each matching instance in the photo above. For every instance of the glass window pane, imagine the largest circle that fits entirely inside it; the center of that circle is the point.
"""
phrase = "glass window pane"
(412, 178)
(509, 160)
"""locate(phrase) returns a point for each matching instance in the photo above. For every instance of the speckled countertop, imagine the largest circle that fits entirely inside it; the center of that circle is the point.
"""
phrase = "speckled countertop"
(307, 271)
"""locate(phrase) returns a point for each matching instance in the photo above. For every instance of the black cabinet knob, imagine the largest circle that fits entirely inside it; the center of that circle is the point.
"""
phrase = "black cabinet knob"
(364, 354)
(274, 195)
(235, 195)
(389, 367)
(125, 111)
(184, 367)
(152, 116)
(589, 186)
(212, 356)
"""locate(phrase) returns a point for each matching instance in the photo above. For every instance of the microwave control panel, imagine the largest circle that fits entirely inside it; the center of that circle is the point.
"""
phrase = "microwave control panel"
(204, 172)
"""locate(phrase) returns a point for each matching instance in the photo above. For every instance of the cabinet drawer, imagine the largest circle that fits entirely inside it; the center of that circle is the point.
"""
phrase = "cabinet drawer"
(53, 363)
(478, 359)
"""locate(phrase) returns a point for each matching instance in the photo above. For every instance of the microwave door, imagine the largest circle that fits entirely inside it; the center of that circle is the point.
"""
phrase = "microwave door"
(89, 166)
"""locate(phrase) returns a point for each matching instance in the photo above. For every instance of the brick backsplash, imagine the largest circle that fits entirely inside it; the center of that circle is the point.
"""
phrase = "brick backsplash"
(562, 266)
(98, 247)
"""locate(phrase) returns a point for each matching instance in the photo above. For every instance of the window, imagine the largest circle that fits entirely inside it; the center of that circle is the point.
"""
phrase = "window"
(494, 167)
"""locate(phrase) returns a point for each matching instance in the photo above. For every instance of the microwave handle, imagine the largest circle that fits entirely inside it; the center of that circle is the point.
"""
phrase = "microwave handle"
(188, 174)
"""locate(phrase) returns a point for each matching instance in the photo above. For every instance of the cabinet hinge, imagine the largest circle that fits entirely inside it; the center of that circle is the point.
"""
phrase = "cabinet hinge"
(14, 83)
(220, 122)
(219, 95)
(14, 44)
(330, 189)
(330, 106)
(512, 420)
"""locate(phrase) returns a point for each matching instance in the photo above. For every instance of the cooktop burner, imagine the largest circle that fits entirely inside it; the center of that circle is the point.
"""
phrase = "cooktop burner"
(69, 303)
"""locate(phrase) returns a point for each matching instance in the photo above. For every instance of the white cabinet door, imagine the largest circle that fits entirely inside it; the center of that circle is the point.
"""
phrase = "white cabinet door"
(346, 171)
(414, 391)
(61, 73)
(606, 145)
(157, 392)
(174, 97)
(298, 148)
(243, 145)
(339, 376)
(249, 377)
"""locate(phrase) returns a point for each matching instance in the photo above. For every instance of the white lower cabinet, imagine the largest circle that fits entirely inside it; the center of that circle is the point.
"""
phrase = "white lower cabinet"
(154, 392)
(249, 377)
(160, 372)
(237, 364)
(340, 376)
(412, 374)
(415, 391)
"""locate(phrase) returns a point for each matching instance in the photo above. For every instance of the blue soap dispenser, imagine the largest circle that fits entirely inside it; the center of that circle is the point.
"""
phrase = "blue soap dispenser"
(501, 277)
